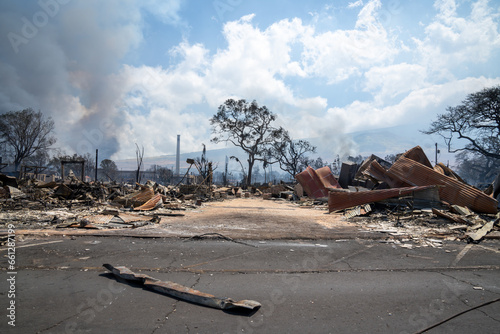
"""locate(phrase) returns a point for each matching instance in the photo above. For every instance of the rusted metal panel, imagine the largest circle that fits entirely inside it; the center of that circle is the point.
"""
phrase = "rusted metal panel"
(155, 202)
(130, 218)
(450, 190)
(445, 170)
(339, 200)
(312, 184)
(417, 154)
(376, 171)
(98, 219)
(183, 292)
(366, 163)
(141, 197)
(327, 179)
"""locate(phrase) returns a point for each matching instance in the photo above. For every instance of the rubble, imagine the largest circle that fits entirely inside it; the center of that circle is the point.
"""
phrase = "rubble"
(73, 203)
(450, 190)
(316, 183)
(339, 200)
(410, 195)
(400, 192)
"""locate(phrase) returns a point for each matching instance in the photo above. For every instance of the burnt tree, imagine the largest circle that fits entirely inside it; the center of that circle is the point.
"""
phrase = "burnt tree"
(476, 124)
(292, 155)
(26, 133)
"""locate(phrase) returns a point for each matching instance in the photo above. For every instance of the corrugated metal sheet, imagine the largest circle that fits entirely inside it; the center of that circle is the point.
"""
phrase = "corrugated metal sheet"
(376, 171)
(366, 163)
(312, 184)
(418, 155)
(443, 169)
(98, 219)
(143, 196)
(339, 200)
(317, 182)
(152, 204)
(326, 178)
(450, 190)
(130, 218)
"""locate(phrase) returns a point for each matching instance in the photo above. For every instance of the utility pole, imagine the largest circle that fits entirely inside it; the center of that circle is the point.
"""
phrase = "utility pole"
(96, 157)
(437, 151)
(225, 173)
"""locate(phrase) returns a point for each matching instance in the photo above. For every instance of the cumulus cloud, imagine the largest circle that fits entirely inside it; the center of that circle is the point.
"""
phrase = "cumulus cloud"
(355, 4)
(419, 106)
(75, 70)
(391, 81)
(451, 40)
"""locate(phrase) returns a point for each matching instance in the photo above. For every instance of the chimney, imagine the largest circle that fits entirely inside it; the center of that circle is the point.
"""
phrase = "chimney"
(178, 156)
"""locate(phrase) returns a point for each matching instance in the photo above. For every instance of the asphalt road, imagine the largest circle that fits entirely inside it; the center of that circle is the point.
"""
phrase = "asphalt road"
(334, 286)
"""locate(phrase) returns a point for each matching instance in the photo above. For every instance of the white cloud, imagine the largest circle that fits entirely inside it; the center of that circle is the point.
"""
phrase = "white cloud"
(84, 79)
(391, 81)
(254, 62)
(341, 54)
(452, 40)
(355, 4)
(420, 106)
(166, 10)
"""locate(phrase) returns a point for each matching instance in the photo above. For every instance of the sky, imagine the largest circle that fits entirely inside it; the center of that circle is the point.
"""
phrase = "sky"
(113, 74)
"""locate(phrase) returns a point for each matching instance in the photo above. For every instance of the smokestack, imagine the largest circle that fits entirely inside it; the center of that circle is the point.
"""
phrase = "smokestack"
(178, 156)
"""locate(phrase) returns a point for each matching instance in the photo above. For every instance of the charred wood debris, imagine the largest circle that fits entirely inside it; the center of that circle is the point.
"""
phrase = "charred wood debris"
(410, 200)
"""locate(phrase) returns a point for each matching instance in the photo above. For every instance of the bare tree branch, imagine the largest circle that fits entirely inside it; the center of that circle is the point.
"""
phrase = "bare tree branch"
(476, 121)
(26, 132)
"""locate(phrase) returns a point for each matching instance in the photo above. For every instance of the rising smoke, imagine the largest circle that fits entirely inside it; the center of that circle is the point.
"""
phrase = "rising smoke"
(64, 57)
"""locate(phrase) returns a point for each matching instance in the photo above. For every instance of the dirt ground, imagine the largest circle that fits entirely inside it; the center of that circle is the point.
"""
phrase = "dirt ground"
(237, 218)
(249, 219)
(255, 218)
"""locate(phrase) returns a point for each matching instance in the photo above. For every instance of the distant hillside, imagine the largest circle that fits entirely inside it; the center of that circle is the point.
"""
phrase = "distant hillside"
(217, 156)
(380, 142)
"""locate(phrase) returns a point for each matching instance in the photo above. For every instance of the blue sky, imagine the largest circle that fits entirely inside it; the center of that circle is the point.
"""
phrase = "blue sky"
(115, 73)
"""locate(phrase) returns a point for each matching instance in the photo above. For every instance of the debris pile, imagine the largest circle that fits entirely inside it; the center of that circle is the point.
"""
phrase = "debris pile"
(77, 204)
(408, 190)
